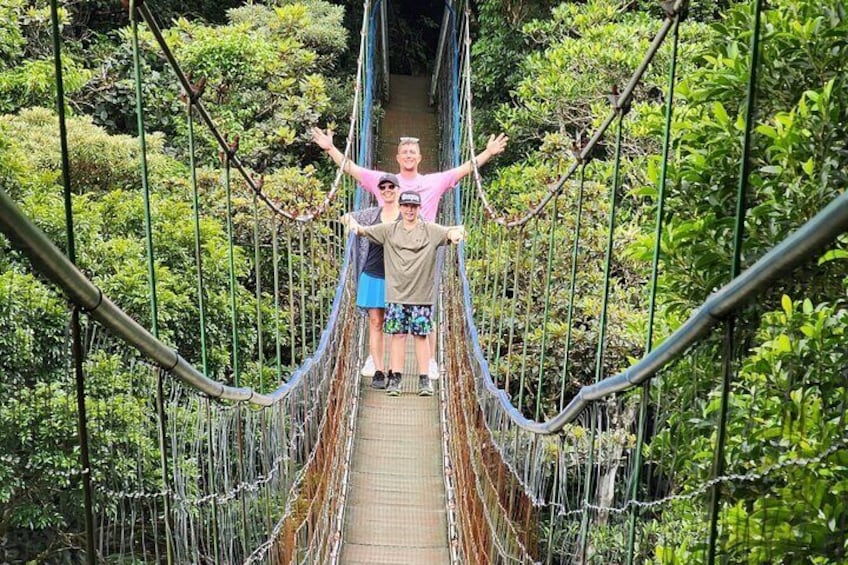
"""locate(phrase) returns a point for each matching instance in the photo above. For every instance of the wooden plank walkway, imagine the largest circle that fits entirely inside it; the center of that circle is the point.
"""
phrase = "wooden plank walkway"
(395, 511)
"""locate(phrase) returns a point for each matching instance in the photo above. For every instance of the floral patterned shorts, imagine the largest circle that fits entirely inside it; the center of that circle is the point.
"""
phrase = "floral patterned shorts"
(415, 319)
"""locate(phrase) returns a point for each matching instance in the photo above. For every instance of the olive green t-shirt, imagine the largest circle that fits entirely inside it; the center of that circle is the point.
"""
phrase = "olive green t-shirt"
(410, 259)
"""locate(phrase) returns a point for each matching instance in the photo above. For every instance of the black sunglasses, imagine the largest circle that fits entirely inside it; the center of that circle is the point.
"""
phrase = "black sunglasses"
(386, 186)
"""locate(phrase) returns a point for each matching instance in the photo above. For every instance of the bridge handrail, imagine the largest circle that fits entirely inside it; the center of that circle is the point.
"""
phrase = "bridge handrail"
(53, 264)
(817, 232)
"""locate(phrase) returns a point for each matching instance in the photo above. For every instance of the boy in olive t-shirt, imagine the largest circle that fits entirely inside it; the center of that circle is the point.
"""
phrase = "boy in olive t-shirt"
(409, 251)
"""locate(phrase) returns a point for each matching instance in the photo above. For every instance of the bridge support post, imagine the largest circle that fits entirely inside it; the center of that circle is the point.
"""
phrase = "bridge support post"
(730, 323)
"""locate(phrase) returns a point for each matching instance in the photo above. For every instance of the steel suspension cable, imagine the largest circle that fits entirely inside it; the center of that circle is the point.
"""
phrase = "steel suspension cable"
(655, 260)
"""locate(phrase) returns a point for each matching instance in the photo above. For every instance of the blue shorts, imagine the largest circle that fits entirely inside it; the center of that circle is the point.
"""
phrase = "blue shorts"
(371, 292)
(415, 319)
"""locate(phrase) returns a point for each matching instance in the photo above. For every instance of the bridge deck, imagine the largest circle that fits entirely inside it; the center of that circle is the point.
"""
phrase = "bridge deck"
(396, 507)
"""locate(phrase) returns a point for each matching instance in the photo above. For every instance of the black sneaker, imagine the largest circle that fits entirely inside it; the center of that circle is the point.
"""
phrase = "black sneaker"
(424, 386)
(393, 388)
(378, 381)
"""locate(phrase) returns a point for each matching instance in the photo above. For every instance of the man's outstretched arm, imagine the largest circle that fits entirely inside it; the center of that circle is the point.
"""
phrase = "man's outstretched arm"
(494, 146)
(324, 140)
(456, 234)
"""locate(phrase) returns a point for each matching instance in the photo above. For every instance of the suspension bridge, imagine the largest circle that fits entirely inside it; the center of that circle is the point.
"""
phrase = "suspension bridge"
(269, 447)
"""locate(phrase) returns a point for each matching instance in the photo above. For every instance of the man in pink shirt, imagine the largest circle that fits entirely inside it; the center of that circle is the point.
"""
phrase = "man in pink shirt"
(430, 187)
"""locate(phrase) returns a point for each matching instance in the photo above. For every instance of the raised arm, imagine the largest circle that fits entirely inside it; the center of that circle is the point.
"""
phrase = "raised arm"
(324, 140)
(494, 146)
(376, 233)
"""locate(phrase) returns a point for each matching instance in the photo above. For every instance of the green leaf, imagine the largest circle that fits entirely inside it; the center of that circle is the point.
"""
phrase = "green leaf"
(808, 330)
(787, 305)
(833, 255)
(720, 113)
(783, 344)
(809, 166)
(767, 131)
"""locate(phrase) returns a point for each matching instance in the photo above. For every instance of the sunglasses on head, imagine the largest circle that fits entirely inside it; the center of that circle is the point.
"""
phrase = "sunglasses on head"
(409, 140)
(386, 186)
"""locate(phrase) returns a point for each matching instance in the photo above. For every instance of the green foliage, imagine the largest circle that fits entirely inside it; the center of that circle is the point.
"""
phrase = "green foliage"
(500, 46)
(789, 405)
(267, 75)
(788, 397)
(798, 150)
(585, 51)
(26, 57)
(514, 312)
(33, 83)
(11, 36)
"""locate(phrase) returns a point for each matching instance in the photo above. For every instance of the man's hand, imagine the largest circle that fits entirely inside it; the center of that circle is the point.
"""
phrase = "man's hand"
(456, 234)
(322, 139)
(497, 144)
(351, 223)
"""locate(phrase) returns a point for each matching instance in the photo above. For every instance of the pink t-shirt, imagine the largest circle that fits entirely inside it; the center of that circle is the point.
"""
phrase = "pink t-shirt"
(431, 188)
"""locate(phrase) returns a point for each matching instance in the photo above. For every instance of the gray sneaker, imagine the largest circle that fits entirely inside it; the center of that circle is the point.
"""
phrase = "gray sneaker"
(379, 380)
(424, 386)
(393, 388)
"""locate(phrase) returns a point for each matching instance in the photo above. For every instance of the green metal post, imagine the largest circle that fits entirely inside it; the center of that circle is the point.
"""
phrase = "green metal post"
(547, 294)
(276, 260)
(602, 331)
(232, 269)
(151, 274)
(513, 311)
(198, 244)
(257, 267)
(527, 302)
(572, 292)
(500, 305)
(730, 323)
(649, 340)
(292, 328)
(76, 331)
(302, 276)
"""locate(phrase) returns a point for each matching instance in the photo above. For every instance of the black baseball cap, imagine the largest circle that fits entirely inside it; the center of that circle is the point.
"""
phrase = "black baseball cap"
(389, 177)
(410, 197)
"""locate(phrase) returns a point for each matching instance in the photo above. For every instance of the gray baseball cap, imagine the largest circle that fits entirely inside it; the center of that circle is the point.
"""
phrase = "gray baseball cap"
(410, 197)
